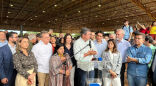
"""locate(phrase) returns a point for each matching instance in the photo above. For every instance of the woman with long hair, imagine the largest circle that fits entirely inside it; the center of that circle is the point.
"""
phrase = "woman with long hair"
(25, 64)
(68, 48)
(112, 65)
(60, 75)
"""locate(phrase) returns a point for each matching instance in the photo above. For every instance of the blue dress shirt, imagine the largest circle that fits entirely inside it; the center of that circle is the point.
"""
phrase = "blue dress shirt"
(143, 54)
(127, 31)
(122, 47)
(100, 47)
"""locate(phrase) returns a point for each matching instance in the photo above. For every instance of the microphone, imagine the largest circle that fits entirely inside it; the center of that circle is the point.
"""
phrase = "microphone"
(90, 44)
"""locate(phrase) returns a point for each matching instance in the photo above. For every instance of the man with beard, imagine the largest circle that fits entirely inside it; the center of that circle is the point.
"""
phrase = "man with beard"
(12, 38)
(7, 76)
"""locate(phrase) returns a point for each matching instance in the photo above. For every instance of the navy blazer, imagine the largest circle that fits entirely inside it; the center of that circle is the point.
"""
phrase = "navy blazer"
(6, 63)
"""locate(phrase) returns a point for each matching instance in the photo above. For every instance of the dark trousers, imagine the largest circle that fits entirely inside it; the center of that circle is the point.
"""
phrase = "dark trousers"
(122, 74)
(82, 76)
(154, 78)
(13, 77)
(98, 73)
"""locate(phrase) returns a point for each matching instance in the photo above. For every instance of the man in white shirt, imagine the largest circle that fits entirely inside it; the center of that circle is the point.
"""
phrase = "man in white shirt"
(85, 56)
(122, 46)
(43, 52)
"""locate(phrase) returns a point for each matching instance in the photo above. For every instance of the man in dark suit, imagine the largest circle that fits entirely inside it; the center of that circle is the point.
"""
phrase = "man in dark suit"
(6, 62)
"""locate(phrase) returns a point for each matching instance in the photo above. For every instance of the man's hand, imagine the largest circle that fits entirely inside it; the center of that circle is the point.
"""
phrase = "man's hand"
(4, 81)
(130, 59)
(91, 52)
(129, 39)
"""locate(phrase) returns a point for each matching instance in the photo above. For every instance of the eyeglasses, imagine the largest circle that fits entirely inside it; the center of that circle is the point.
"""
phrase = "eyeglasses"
(14, 37)
(138, 38)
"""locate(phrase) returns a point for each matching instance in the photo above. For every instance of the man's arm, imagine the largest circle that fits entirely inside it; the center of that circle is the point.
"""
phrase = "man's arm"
(2, 73)
(144, 60)
(130, 34)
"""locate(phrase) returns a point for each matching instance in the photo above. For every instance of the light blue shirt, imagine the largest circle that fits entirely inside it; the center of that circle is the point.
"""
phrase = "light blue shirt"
(143, 54)
(127, 31)
(100, 47)
(122, 47)
(3, 43)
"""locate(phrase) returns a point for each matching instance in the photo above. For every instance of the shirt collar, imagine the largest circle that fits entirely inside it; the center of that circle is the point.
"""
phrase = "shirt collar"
(140, 46)
(3, 43)
(84, 40)
(98, 43)
(42, 42)
(121, 41)
(12, 46)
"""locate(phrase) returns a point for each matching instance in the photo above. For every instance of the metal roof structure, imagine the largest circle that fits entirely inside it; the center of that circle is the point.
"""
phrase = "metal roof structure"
(72, 15)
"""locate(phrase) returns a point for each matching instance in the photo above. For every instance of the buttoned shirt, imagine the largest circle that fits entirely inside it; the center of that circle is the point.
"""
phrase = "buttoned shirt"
(84, 63)
(127, 30)
(122, 47)
(143, 54)
(42, 53)
(12, 48)
(100, 47)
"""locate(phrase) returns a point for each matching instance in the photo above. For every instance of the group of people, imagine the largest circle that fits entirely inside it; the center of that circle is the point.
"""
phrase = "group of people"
(47, 60)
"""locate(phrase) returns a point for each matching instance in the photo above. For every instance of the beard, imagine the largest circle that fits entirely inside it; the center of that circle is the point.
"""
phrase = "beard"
(14, 42)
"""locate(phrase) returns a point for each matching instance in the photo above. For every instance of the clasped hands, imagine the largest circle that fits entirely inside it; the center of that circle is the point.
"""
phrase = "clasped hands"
(113, 74)
(31, 78)
(90, 52)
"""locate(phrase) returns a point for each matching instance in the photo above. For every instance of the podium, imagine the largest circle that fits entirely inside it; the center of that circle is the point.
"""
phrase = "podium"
(95, 81)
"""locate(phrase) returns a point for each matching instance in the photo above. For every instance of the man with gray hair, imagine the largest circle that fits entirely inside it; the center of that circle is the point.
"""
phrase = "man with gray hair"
(32, 40)
(122, 46)
(112, 36)
(85, 56)
(43, 51)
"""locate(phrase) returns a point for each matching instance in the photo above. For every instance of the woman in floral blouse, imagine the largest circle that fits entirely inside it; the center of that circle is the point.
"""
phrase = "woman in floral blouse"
(25, 64)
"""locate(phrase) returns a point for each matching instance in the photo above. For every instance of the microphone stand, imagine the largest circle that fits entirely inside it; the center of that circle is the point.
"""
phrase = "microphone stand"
(65, 63)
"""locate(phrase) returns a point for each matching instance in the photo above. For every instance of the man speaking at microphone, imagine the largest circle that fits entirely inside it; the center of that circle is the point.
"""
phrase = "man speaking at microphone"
(84, 57)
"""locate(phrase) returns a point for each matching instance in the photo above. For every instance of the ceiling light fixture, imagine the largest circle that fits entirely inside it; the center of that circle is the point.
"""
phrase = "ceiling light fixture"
(126, 16)
(79, 11)
(99, 5)
(55, 5)
(43, 11)
(9, 12)
(108, 19)
(11, 5)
